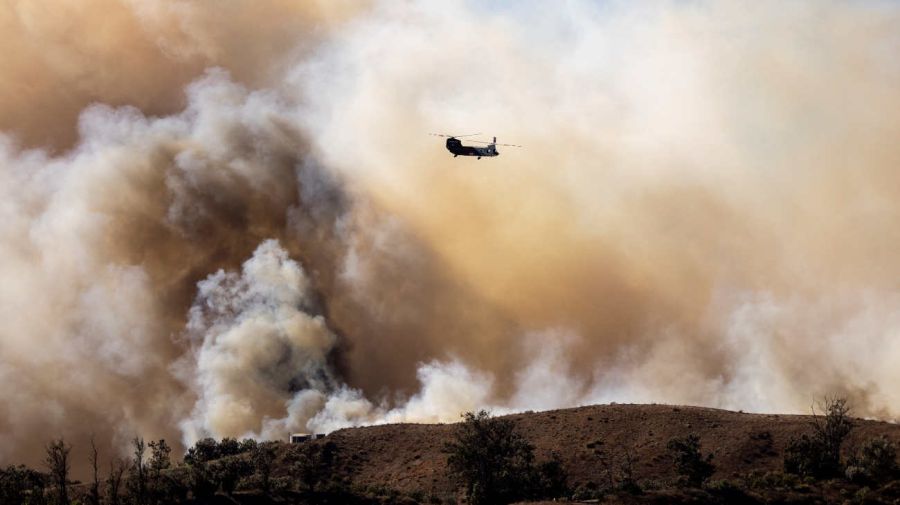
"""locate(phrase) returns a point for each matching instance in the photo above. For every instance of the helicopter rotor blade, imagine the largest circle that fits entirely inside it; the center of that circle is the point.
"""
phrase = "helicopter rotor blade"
(494, 143)
(454, 136)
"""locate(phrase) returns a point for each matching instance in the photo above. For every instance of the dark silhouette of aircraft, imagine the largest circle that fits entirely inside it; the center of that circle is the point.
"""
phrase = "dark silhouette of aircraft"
(455, 146)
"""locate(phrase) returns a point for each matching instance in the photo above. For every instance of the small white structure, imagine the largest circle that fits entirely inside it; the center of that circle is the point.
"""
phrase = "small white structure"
(299, 438)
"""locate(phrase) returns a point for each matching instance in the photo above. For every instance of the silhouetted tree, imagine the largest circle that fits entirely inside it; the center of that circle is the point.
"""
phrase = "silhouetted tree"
(137, 478)
(818, 454)
(202, 483)
(117, 468)
(228, 471)
(248, 445)
(229, 447)
(58, 464)
(205, 449)
(93, 459)
(20, 484)
(159, 461)
(493, 461)
(314, 465)
(263, 458)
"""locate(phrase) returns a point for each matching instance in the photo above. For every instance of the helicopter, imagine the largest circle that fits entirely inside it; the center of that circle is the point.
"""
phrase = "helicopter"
(455, 146)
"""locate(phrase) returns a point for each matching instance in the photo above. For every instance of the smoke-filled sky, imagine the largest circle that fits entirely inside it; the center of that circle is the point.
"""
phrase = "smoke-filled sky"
(227, 218)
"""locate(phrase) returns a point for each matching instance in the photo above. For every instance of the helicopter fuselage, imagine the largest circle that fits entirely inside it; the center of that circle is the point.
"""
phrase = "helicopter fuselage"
(458, 149)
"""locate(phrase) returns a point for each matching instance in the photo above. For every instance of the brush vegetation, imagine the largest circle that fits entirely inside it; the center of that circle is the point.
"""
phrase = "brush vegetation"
(603, 454)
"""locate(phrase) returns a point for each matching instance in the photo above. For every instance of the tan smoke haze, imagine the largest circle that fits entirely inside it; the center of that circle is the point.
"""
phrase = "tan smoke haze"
(226, 219)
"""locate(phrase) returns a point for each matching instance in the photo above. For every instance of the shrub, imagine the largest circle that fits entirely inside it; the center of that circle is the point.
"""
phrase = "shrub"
(874, 463)
(805, 456)
(727, 491)
(625, 474)
(764, 480)
(690, 464)
(552, 479)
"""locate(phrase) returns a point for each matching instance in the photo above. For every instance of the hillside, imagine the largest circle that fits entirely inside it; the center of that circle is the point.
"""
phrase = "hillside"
(408, 458)
(598, 447)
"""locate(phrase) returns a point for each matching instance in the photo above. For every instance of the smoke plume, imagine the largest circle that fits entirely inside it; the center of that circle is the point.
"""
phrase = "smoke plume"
(228, 220)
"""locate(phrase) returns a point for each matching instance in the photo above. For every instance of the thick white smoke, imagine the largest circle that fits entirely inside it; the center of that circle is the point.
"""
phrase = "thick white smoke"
(256, 340)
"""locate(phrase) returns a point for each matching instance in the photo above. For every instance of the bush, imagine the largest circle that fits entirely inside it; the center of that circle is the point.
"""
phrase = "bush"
(818, 455)
(728, 491)
(552, 479)
(874, 463)
(690, 464)
(765, 480)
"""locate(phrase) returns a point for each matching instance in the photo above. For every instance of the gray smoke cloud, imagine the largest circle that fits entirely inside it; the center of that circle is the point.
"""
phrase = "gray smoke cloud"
(702, 213)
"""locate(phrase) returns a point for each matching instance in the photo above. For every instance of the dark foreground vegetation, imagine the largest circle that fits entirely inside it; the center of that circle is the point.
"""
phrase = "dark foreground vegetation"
(484, 460)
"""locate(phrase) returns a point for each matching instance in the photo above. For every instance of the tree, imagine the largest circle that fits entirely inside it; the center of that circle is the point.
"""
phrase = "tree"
(114, 481)
(263, 458)
(58, 463)
(94, 495)
(228, 471)
(833, 429)
(205, 449)
(159, 457)
(201, 482)
(159, 461)
(229, 447)
(818, 454)
(137, 479)
(493, 461)
(689, 462)
(314, 465)
(19, 482)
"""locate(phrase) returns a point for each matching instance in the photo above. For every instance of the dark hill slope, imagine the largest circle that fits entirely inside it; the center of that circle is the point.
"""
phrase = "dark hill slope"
(408, 457)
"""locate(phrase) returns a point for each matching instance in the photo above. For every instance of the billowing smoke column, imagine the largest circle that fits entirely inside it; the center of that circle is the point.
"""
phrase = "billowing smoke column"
(248, 232)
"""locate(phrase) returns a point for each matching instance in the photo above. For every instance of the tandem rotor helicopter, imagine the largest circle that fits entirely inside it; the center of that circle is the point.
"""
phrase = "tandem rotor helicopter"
(455, 146)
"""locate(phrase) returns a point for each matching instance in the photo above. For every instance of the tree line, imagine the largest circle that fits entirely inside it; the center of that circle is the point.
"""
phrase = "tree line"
(490, 460)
